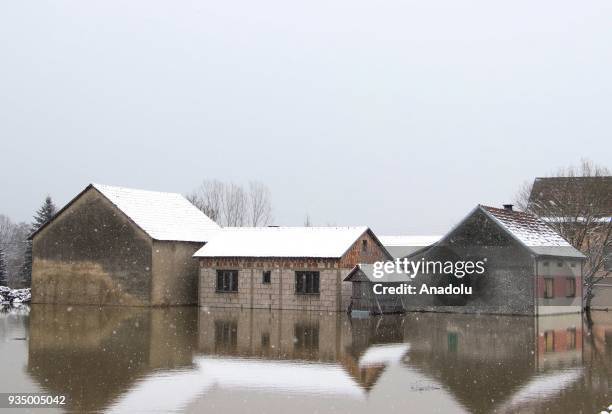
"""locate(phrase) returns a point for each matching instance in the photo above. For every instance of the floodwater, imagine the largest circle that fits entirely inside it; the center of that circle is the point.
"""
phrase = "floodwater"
(187, 359)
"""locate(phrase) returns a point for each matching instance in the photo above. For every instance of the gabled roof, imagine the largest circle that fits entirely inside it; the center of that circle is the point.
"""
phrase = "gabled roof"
(566, 195)
(163, 216)
(532, 232)
(298, 242)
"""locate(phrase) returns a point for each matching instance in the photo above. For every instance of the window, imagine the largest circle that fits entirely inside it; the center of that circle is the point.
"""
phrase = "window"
(559, 264)
(307, 283)
(265, 340)
(549, 288)
(573, 264)
(549, 341)
(364, 246)
(227, 281)
(571, 338)
(570, 287)
(267, 277)
(545, 264)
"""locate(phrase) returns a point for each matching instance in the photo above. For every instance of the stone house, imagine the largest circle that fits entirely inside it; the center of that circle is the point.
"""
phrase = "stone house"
(301, 268)
(119, 246)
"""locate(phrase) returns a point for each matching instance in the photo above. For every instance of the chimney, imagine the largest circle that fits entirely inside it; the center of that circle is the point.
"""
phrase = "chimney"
(508, 207)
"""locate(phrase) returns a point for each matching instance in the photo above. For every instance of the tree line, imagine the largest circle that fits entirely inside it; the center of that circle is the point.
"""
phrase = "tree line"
(16, 249)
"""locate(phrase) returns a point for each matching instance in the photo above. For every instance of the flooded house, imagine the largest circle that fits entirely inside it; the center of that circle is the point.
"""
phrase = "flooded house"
(301, 268)
(120, 246)
(529, 268)
(580, 205)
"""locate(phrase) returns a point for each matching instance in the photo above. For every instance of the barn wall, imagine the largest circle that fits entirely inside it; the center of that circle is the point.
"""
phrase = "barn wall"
(91, 254)
(175, 273)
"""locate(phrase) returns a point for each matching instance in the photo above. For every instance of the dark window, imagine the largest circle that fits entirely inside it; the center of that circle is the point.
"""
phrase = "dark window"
(265, 340)
(267, 277)
(227, 281)
(307, 282)
(559, 264)
(570, 287)
(364, 246)
(549, 285)
(306, 337)
(573, 264)
(545, 264)
(226, 335)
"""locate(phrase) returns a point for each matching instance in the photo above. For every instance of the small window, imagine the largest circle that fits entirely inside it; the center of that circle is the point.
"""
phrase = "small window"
(573, 264)
(559, 264)
(549, 288)
(545, 264)
(267, 277)
(570, 287)
(307, 283)
(265, 340)
(364, 246)
(549, 341)
(227, 281)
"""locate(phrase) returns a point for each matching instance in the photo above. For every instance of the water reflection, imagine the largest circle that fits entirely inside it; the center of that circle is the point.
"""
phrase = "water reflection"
(193, 360)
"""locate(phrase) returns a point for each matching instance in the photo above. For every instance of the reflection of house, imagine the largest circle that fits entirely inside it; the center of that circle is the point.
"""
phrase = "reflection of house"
(530, 269)
(92, 355)
(402, 246)
(119, 246)
(300, 268)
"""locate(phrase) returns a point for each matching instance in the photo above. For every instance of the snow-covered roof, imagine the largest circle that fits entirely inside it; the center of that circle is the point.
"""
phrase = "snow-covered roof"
(163, 216)
(532, 232)
(324, 242)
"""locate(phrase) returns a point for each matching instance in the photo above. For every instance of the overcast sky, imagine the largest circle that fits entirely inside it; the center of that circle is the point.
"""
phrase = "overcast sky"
(400, 115)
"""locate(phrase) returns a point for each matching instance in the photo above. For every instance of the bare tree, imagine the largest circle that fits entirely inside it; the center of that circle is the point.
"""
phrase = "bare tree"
(13, 243)
(307, 221)
(576, 203)
(259, 204)
(234, 206)
(229, 204)
(207, 197)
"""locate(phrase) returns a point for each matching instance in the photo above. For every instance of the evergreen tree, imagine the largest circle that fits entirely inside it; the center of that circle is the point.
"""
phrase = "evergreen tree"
(43, 215)
(3, 275)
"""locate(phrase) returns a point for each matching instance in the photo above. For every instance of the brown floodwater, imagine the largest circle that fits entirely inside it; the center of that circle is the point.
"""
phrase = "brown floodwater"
(186, 359)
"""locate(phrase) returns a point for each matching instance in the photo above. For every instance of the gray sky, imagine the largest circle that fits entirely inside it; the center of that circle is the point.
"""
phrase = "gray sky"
(401, 115)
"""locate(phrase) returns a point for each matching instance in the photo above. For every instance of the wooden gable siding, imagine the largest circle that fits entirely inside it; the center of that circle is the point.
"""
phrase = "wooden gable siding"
(355, 254)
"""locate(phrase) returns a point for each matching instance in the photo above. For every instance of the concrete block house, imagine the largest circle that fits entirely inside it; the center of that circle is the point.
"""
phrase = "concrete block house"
(301, 268)
(120, 246)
